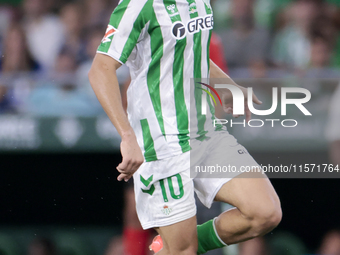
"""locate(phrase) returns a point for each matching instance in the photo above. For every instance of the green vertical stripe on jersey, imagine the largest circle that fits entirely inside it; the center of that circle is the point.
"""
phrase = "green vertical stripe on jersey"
(201, 119)
(115, 19)
(207, 8)
(153, 78)
(178, 81)
(138, 25)
(211, 107)
(181, 108)
(208, 52)
(150, 153)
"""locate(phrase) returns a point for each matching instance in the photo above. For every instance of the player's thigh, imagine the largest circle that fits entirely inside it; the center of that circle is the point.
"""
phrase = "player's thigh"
(252, 193)
(226, 159)
(179, 238)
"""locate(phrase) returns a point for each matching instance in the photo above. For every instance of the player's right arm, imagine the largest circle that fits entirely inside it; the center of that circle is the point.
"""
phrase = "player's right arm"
(127, 21)
(105, 84)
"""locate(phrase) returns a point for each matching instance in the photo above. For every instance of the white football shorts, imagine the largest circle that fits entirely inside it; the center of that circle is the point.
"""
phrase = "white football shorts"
(164, 189)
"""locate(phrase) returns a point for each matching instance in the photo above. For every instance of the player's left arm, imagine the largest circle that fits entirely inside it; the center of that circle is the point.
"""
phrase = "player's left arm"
(220, 77)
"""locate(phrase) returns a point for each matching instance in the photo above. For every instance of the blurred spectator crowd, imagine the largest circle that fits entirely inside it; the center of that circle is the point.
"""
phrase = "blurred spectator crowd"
(294, 35)
(46, 47)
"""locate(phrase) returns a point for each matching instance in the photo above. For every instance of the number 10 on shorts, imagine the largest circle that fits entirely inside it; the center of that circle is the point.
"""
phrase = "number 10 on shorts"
(178, 194)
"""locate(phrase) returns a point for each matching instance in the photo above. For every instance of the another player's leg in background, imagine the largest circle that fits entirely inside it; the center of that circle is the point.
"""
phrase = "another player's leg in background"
(334, 152)
(135, 239)
(257, 212)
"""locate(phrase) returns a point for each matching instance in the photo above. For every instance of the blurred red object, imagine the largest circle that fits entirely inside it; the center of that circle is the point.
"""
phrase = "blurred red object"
(157, 244)
(217, 53)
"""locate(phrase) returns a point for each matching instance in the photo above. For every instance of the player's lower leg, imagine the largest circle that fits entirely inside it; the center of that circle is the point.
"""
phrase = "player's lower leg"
(209, 238)
(177, 239)
(257, 212)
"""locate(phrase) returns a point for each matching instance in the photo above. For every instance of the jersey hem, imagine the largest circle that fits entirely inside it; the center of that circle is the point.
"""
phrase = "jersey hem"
(165, 155)
(112, 56)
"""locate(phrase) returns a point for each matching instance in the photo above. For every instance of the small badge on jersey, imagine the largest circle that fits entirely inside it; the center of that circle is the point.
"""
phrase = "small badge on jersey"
(192, 8)
(110, 31)
(166, 210)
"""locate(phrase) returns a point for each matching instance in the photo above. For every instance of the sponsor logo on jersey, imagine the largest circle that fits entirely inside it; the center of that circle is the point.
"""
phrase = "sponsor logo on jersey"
(195, 25)
(110, 31)
(207, 2)
(171, 8)
(178, 30)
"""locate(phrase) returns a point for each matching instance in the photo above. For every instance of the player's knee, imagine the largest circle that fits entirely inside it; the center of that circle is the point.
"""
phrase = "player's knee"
(266, 219)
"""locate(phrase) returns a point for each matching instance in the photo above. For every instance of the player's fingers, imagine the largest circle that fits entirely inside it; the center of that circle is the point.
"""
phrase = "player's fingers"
(247, 112)
(129, 166)
(126, 165)
(256, 100)
(228, 109)
(123, 165)
(248, 115)
(126, 179)
(123, 177)
(126, 171)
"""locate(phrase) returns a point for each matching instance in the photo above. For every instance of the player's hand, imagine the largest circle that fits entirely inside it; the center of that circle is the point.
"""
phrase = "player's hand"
(227, 101)
(132, 157)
